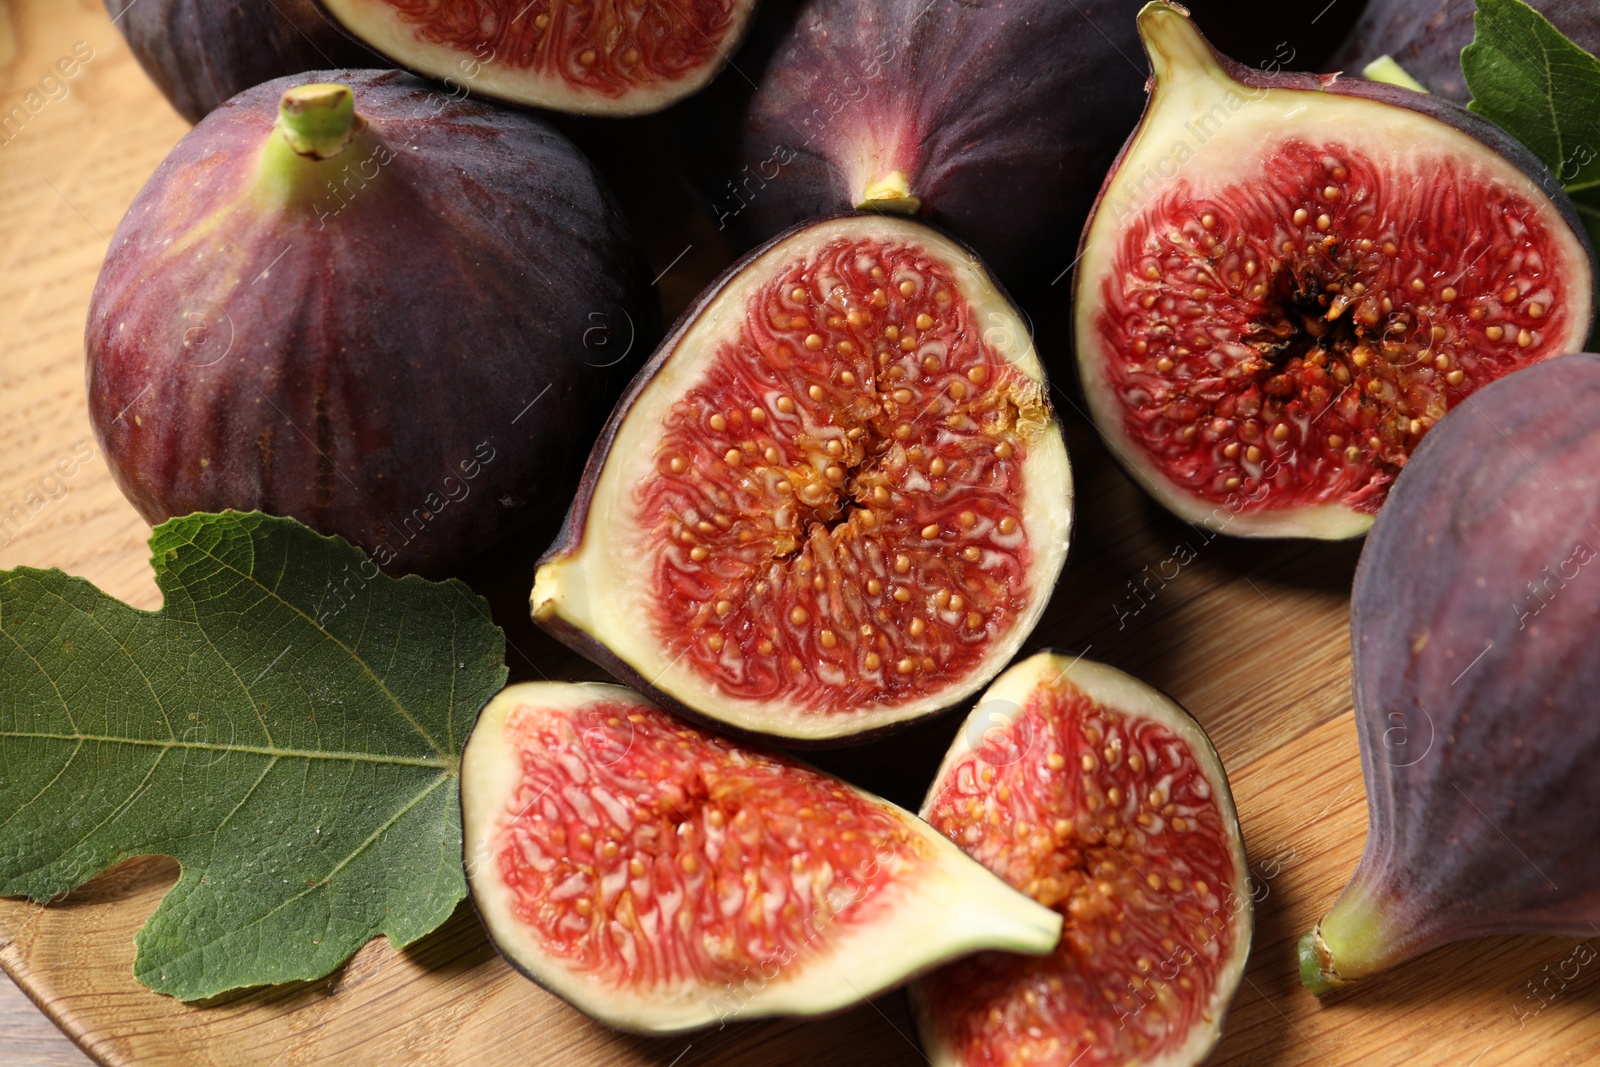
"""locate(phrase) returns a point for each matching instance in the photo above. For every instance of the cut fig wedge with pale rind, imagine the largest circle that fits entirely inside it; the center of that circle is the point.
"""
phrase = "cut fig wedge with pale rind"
(1101, 798)
(662, 879)
(593, 57)
(1289, 278)
(835, 500)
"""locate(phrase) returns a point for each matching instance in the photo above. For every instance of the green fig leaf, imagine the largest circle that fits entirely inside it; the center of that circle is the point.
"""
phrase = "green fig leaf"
(1544, 90)
(287, 727)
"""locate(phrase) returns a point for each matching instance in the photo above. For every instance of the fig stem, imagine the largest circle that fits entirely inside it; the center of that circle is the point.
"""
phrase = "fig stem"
(1176, 49)
(1352, 941)
(1385, 69)
(892, 192)
(319, 120)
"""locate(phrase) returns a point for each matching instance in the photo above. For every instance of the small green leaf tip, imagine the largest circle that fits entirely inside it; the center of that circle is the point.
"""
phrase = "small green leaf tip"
(318, 120)
(1385, 69)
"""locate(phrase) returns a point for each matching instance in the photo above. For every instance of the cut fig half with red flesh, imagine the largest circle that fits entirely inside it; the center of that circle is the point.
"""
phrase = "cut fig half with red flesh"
(1290, 278)
(1104, 800)
(592, 57)
(836, 499)
(662, 879)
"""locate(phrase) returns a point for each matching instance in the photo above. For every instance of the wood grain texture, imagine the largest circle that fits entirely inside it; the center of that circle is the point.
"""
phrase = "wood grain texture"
(1251, 637)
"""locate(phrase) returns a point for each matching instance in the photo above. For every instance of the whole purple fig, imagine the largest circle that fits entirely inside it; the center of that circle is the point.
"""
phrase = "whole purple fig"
(200, 52)
(994, 120)
(1475, 619)
(394, 315)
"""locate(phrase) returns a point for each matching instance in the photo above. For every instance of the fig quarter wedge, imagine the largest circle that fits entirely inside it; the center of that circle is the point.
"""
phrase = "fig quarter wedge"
(662, 879)
(1103, 799)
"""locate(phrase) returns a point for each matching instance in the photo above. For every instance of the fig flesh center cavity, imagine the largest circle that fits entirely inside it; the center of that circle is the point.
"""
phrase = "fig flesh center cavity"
(1290, 279)
(836, 499)
(1295, 334)
(845, 512)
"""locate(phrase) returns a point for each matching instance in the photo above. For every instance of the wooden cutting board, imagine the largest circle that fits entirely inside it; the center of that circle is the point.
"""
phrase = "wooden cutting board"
(1251, 637)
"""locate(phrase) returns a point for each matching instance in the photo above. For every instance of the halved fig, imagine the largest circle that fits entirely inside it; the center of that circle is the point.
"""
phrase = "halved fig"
(1102, 799)
(660, 879)
(1290, 278)
(593, 57)
(836, 498)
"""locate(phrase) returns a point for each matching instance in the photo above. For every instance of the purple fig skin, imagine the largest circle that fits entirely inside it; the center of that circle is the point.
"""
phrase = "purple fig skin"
(414, 355)
(1002, 116)
(1474, 620)
(201, 52)
(1426, 38)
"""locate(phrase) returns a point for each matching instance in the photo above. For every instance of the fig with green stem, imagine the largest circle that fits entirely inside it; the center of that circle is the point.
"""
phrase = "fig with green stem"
(1474, 622)
(356, 301)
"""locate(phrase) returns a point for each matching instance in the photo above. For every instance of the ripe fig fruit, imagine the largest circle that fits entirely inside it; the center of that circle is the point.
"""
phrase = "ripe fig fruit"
(1474, 623)
(1290, 278)
(661, 879)
(1426, 38)
(836, 499)
(595, 57)
(1103, 800)
(201, 52)
(395, 316)
(994, 120)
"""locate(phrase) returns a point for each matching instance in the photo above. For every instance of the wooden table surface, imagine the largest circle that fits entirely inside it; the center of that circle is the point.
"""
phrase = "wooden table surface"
(1251, 637)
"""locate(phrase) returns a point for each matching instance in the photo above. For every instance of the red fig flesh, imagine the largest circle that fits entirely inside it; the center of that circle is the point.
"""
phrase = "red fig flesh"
(661, 879)
(1289, 279)
(835, 500)
(1104, 800)
(595, 57)
(1474, 621)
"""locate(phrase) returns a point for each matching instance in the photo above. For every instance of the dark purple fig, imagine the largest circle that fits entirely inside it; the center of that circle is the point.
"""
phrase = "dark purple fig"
(1474, 623)
(200, 52)
(595, 57)
(995, 120)
(835, 500)
(395, 316)
(1277, 34)
(1289, 278)
(662, 879)
(1426, 38)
